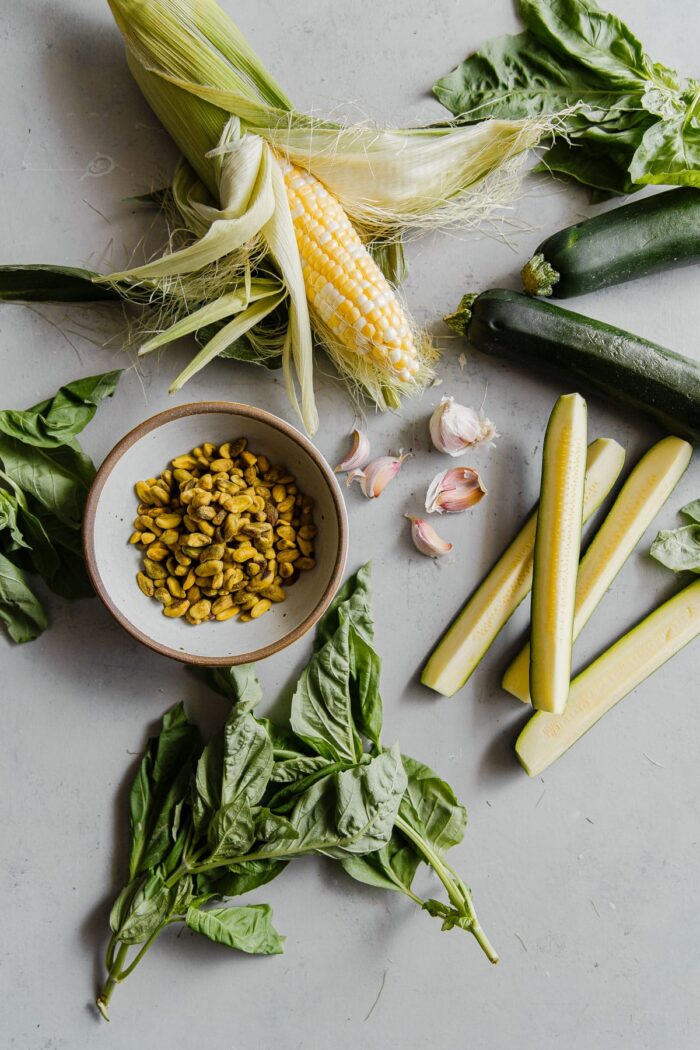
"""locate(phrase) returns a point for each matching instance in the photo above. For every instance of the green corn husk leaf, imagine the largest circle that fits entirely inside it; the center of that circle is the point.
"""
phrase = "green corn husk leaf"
(228, 305)
(228, 335)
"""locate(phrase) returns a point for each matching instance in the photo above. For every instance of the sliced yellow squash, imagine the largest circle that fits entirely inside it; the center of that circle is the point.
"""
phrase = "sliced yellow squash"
(497, 597)
(557, 552)
(609, 678)
(641, 498)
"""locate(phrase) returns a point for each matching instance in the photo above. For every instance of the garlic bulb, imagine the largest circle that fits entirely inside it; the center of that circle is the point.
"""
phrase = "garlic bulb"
(377, 474)
(452, 491)
(426, 538)
(358, 455)
(455, 428)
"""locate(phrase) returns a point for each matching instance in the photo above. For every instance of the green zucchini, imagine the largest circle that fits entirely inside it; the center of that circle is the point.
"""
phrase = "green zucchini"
(613, 362)
(557, 552)
(640, 238)
(465, 642)
(608, 679)
(641, 498)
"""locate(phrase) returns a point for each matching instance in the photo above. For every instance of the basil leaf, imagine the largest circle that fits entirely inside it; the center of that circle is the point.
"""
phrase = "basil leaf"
(9, 510)
(285, 799)
(669, 154)
(237, 879)
(678, 549)
(368, 802)
(55, 478)
(231, 831)
(692, 511)
(55, 422)
(592, 164)
(431, 807)
(595, 39)
(236, 763)
(146, 911)
(269, 825)
(350, 812)
(237, 684)
(393, 867)
(56, 554)
(206, 794)
(120, 908)
(353, 602)
(248, 929)
(365, 668)
(184, 895)
(160, 785)
(322, 703)
(512, 77)
(247, 758)
(51, 284)
(291, 770)
(20, 609)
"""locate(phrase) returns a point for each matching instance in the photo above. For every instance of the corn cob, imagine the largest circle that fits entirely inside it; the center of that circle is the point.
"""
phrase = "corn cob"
(344, 286)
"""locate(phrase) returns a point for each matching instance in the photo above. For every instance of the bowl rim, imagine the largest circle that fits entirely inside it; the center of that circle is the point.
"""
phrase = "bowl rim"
(205, 408)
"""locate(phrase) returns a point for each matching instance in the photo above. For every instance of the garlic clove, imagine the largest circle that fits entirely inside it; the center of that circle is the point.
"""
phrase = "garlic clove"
(359, 453)
(452, 491)
(426, 538)
(455, 428)
(377, 474)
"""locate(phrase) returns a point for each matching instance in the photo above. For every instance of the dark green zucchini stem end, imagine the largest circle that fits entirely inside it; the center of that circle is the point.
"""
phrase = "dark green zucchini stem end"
(539, 276)
(459, 320)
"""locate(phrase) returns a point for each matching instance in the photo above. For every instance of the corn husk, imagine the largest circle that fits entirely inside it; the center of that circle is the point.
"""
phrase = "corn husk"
(232, 122)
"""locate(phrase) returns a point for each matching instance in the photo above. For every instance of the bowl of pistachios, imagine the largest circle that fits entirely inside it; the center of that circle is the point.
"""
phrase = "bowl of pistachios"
(215, 533)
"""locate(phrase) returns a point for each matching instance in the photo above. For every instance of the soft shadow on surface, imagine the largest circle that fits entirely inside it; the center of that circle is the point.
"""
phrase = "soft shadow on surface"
(494, 706)
(85, 67)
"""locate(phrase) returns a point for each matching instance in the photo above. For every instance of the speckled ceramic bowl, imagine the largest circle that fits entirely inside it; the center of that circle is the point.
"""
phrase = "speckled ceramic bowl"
(113, 563)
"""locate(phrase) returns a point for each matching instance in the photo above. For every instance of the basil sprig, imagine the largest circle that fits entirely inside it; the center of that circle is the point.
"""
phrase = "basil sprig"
(44, 482)
(627, 121)
(679, 549)
(213, 822)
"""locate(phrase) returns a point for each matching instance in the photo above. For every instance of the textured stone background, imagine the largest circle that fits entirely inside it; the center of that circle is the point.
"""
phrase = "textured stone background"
(586, 878)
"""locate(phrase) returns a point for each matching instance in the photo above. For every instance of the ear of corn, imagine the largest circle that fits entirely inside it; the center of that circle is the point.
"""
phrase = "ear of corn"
(256, 157)
(348, 295)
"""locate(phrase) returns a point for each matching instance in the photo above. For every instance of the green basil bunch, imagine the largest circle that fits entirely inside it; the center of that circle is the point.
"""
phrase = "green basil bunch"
(44, 482)
(213, 822)
(626, 121)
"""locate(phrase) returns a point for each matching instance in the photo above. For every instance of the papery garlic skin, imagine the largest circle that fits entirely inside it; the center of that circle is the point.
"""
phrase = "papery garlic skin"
(455, 428)
(426, 538)
(376, 475)
(455, 490)
(359, 453)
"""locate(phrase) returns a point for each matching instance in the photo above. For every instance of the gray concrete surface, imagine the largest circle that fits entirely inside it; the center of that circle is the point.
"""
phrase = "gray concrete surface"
(587, 877)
